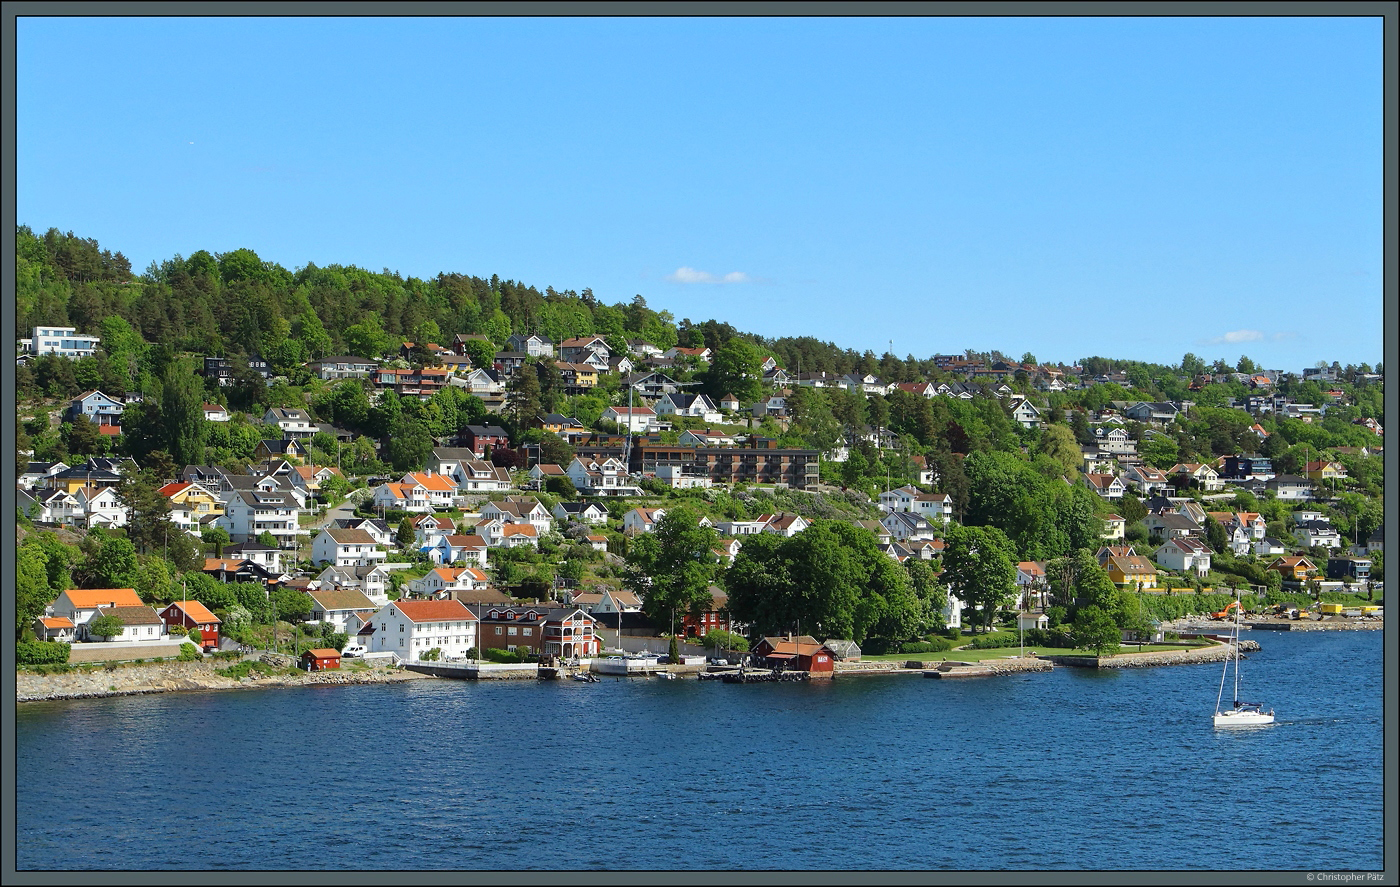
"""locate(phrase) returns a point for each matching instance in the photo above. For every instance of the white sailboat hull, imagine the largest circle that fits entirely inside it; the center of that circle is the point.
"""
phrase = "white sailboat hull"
(1243, 718)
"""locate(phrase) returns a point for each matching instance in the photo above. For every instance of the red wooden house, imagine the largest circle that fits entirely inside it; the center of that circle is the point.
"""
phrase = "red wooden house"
(801, 653)
(320, 659)
(193, 614)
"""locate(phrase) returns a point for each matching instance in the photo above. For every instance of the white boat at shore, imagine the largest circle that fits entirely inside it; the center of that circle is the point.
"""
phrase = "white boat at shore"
(632, 664)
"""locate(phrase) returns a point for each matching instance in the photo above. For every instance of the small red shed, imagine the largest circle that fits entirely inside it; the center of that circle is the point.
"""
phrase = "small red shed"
(320, 659)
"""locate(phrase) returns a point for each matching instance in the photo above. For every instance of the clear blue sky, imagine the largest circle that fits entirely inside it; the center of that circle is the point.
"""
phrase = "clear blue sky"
(1123, 187)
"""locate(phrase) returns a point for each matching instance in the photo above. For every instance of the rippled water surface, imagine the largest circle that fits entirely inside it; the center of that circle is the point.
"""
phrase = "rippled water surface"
(1068, 770)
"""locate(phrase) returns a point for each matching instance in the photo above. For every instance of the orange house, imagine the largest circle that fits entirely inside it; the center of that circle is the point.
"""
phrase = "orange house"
(1294, 567)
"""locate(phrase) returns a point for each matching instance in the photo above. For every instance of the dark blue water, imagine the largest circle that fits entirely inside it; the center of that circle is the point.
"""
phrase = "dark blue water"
(1070, 770)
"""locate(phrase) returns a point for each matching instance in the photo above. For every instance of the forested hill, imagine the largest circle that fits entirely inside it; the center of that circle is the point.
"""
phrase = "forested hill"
(236, 303)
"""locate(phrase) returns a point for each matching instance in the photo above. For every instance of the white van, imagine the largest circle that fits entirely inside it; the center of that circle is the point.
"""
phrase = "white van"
(353, 650)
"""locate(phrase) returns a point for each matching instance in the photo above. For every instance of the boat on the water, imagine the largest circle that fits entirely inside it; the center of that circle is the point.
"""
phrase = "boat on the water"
(1240, 714)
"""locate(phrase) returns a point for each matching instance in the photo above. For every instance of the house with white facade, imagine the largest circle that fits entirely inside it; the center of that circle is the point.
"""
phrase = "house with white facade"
(249, 513)
(345, 548)
(634, 419)
(642, 520)
(65, 341)
(1185, 554)
(410, 629)
(442, 581)
(932, 506)
(518, 510)
(606, 477)
(337, 605)
(581, 512)
(296, 424)
(468, 550)
(372, 579)
(81, 605)
(697, 406)
(101, 507)
(1026, 414)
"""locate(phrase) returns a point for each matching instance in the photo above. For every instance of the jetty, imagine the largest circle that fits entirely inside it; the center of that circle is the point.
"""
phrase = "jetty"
(762, 676)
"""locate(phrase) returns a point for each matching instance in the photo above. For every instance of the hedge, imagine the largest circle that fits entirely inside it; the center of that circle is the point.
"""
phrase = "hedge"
(41, 653)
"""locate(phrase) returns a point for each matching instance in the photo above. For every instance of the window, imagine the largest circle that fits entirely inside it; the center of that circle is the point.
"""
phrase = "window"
(526, 632)
(498, 631)
(512, 630)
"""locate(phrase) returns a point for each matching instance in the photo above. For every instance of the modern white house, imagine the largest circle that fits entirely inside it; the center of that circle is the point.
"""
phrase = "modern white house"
(65, 341)
(409, 629)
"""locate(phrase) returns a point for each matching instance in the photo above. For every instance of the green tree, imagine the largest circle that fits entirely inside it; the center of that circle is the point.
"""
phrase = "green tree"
(979, 567)
(148, 517)
(672, 568)
(106, 626)
(1095, 630)
(1058, 443)
(737, 369)
(32, 593)
(182, 413)
(110, 563)
(523, 396)
(405, 536)
(83, 437)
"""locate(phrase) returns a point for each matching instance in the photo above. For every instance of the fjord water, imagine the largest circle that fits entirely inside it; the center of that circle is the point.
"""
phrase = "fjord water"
(1076, 769)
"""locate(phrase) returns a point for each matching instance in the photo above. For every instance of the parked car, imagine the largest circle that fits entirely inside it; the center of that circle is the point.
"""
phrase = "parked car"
(351, 651)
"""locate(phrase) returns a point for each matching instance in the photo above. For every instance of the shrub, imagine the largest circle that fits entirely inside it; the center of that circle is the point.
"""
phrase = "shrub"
(934, 644)
(178, 631)
(42, 653)
(188, 653)
(995, 641)
(196, 635)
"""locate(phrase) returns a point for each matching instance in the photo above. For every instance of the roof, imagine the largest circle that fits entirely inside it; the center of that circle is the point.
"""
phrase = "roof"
(87, 598)
(433, 611)
(141, 615)
(195, 610)
(57, 622)
(323, 653)
(346, 536)
(341, 599)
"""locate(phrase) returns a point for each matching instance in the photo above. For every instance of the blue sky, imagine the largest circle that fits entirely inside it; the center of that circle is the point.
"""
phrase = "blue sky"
(1123, 187)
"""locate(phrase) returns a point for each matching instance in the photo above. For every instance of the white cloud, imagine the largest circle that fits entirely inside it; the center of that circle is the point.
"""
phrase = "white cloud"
(1236, 336)
(690, 275)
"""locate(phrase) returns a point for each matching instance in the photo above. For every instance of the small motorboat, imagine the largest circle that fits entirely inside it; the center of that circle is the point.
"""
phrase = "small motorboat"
(586, 677)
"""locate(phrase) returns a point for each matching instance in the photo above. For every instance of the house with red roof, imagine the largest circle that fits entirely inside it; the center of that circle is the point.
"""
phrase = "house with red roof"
(409, 629)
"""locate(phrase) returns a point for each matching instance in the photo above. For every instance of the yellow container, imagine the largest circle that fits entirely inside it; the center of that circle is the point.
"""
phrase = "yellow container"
(1331, 609)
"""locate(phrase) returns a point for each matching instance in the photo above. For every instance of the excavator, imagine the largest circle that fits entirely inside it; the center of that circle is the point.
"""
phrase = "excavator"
(1225, 613)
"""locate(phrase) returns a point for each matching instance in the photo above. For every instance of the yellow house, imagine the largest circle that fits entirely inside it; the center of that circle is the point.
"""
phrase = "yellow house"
(1131, 572)
(1317, 472)
(190, 503)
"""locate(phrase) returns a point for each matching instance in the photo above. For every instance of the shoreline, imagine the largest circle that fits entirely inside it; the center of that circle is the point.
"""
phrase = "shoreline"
(173, 677)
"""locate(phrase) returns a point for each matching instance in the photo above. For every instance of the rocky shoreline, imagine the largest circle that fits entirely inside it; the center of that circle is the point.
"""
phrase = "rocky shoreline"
(168, 677)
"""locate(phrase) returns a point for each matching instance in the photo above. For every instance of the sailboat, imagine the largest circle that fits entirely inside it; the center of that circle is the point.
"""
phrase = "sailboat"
(1241, 714)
